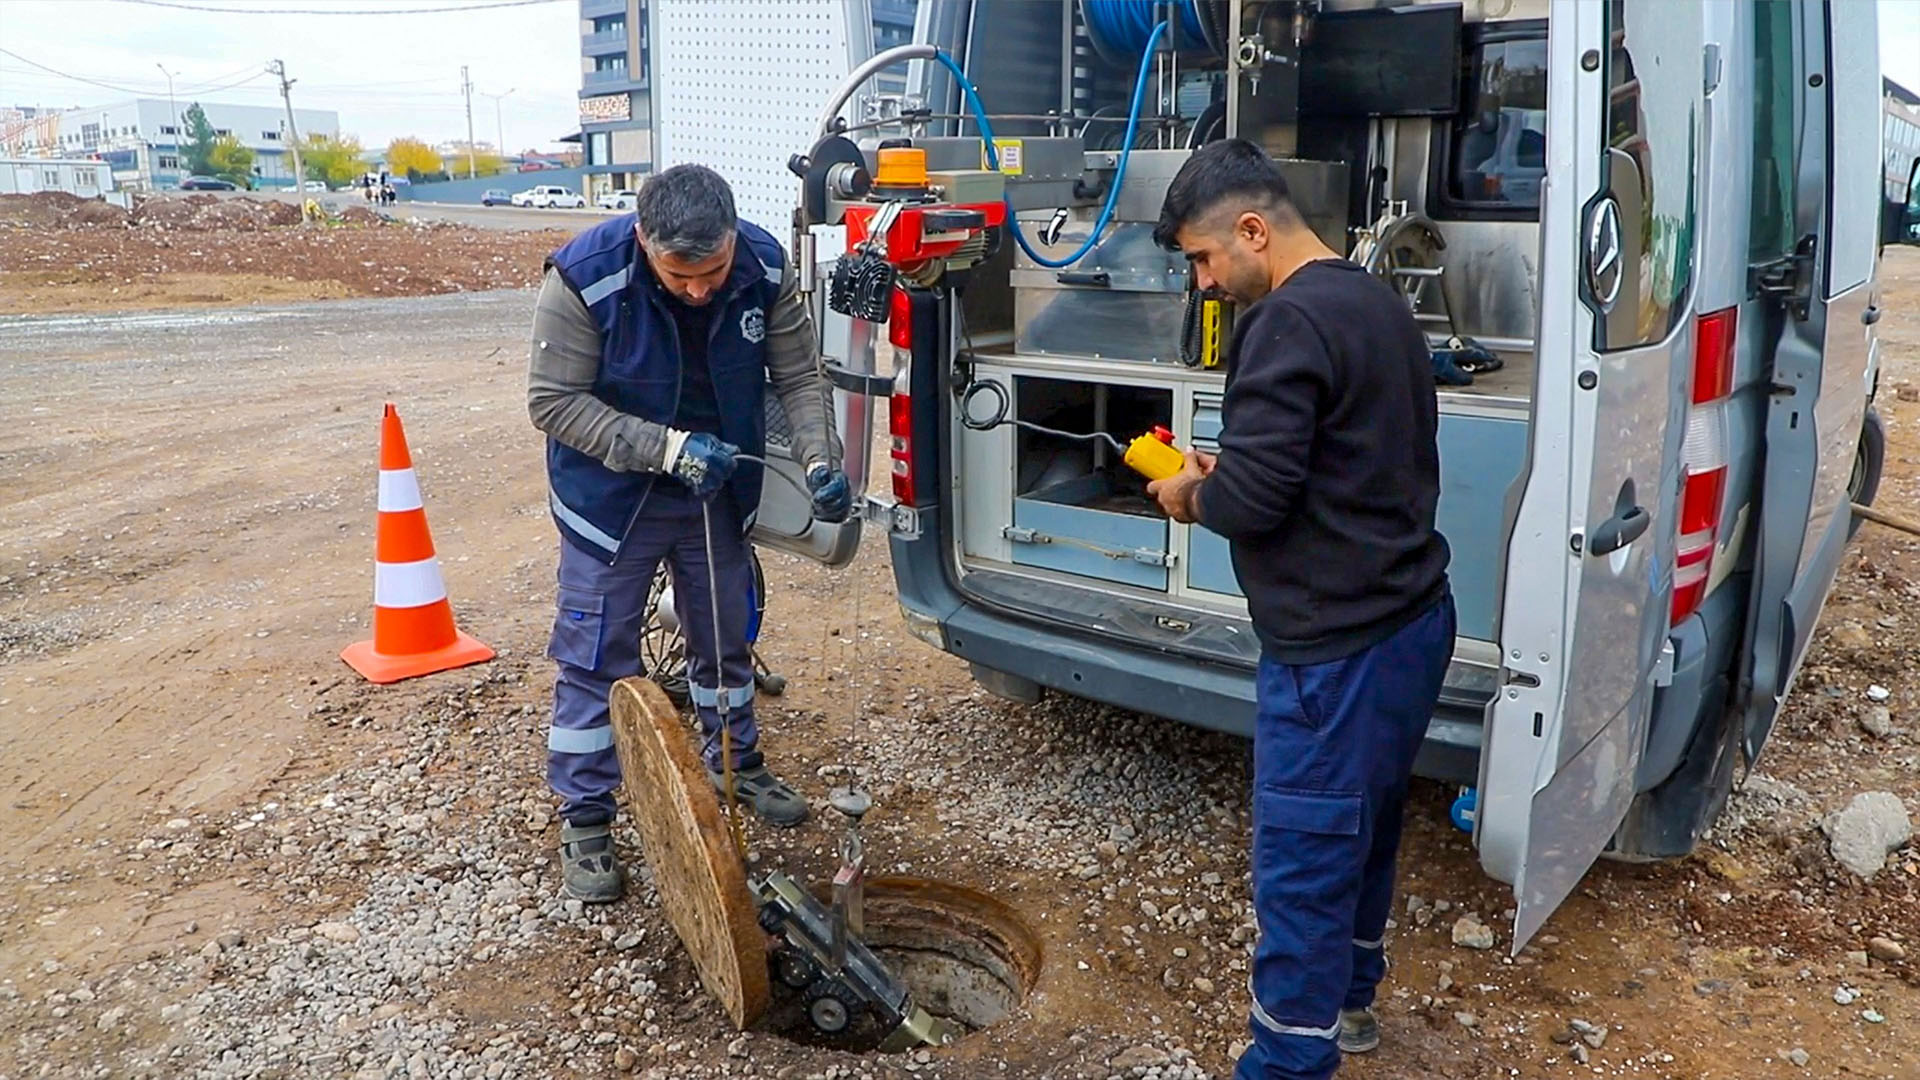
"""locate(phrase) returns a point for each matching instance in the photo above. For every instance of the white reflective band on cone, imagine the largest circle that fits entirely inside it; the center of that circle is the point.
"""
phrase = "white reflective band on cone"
(408, 584)
(399, 490)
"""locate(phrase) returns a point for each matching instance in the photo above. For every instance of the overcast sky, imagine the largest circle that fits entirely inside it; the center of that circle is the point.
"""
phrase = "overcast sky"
(389, 75)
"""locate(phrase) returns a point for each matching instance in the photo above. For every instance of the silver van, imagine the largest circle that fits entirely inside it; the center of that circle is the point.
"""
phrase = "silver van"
(1662, 220)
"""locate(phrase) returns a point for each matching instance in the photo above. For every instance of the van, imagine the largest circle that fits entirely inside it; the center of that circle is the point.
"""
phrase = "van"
(1662, 220)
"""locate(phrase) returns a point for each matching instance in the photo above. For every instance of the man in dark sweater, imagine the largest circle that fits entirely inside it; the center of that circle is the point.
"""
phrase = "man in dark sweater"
(1325, 487)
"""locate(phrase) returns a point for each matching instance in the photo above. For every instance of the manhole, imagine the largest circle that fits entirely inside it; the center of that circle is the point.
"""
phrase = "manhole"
(964, 956)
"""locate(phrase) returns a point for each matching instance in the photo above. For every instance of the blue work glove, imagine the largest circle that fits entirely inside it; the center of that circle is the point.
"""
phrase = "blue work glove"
(832, 497)
(700, 461)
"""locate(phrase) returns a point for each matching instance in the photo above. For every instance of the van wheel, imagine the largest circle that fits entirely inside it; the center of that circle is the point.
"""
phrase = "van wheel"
(1868, 460)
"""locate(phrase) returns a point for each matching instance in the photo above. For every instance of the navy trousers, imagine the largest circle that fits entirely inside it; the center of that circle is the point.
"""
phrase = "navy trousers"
(596, 642)
(1333, 748)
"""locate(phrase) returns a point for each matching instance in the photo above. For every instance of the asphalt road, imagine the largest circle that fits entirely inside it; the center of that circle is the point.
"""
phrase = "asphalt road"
(499, 217)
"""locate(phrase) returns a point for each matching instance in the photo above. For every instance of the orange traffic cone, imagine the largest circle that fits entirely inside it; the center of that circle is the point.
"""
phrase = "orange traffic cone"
(413, 631)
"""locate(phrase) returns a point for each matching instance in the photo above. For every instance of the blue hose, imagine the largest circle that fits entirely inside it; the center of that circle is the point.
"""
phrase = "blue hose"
(1120, 171)
(1125, 24)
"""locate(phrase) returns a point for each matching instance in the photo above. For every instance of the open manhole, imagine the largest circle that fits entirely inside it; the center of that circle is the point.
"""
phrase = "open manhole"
(963, 955)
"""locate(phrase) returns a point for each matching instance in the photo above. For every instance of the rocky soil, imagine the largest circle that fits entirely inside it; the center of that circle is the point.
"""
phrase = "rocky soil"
(223, 856)
(61, 253)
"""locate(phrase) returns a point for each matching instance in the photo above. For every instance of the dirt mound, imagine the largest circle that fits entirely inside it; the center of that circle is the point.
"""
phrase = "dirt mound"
(99, 214)
(360, 215)
(246, 215)
(171, 213)
(57, 210)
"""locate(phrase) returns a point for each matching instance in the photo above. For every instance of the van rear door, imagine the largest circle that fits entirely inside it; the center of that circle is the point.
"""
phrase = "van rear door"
(1589, 566)
(1819, 327)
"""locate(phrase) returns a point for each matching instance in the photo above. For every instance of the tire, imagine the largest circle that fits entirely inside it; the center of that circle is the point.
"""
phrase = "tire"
(1869, 460)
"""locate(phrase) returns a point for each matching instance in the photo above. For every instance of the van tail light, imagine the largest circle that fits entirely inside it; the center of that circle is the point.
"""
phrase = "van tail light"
(900, 402)
(1704, 457)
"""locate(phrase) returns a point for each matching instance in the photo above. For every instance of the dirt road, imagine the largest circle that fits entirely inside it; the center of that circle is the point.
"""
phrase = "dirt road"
(223, 855)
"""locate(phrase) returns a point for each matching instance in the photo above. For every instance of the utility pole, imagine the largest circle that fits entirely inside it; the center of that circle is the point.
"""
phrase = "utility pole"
(279, 69)
(175, 106)
(466, 88)
(500, 129)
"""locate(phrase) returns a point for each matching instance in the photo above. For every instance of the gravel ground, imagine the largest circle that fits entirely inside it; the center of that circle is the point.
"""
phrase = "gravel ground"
(277, 871)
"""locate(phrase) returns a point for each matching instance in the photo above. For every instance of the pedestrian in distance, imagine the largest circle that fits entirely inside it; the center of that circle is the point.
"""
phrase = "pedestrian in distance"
(1325, 487)
(656, 337)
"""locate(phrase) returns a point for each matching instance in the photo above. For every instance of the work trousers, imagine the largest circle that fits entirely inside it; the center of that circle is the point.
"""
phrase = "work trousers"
(1333, 748)
(596, 642)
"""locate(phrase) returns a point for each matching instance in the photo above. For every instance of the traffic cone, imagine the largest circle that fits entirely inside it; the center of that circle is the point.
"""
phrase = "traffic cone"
(413, 631)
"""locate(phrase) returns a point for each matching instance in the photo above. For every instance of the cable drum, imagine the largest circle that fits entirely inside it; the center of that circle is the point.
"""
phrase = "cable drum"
(1119, 28)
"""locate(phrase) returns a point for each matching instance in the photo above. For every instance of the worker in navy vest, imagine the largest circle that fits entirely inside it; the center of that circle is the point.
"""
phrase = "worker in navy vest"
(655, 339)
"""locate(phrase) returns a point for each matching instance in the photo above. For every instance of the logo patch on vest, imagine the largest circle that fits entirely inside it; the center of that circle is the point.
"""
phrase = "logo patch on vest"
(753, 325)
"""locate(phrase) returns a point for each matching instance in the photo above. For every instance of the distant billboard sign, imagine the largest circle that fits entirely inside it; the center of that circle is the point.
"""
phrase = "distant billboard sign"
(605, 109)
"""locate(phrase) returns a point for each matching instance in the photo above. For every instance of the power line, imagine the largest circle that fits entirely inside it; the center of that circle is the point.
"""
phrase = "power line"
(212, 87)
(75, 78)
(250, 69)
(339, 11)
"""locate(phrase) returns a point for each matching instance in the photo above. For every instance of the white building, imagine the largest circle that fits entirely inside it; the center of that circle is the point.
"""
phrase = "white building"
(24, 176)
(141, 138)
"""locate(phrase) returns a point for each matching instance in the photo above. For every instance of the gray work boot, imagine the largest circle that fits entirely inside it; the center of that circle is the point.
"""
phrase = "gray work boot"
(589, 870)
(767, 794)
(1359, 1031)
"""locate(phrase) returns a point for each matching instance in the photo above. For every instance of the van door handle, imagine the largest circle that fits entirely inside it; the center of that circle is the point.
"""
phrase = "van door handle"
(1618, 531)
(1871, 315)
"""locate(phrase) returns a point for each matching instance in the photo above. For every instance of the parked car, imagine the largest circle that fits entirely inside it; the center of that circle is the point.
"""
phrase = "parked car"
(207, 183)
(494, 197)
(551, 196)
(522, 198)
(616, 200)
(314, 185)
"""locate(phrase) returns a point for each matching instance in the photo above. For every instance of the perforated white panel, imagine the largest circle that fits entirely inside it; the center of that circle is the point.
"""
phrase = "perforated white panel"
(740, 86)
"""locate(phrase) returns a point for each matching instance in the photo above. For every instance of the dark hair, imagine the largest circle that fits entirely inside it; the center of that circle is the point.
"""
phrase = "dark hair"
(686, 211)
(1227, 170)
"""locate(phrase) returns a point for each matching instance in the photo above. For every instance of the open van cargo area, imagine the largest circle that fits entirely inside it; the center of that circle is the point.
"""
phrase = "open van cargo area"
(1081, 516)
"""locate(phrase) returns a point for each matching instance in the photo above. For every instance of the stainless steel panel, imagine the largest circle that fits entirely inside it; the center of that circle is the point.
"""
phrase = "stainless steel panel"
(1100, 323)
(1127, 255)
(1492, 276)
(1319, 188)
(1137, 316)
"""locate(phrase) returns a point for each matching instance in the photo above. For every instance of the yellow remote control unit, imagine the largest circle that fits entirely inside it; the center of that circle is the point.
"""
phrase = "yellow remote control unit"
(1154, 456)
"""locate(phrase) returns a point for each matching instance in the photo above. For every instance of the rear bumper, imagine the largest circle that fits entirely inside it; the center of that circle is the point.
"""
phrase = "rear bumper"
(1113, 671)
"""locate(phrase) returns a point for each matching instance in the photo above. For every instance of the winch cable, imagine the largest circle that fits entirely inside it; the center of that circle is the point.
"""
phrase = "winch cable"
(999, 418)
(972, 95)
(723, 700)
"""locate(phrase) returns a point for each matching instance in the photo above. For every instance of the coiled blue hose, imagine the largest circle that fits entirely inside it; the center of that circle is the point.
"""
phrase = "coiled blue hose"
(1123, 25)
(1120, 171)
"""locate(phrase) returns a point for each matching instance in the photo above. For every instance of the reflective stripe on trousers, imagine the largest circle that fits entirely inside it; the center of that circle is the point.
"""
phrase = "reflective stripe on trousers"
(1332, 751)
(596, 641)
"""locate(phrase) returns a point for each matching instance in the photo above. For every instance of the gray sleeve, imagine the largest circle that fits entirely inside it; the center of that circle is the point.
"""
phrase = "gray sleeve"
(793, 370)
(561, 367)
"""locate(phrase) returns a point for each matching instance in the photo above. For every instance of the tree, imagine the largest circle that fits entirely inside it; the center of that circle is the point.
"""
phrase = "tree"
(231, 160)
(198, 145)
(485, 163)
(407, 156)
(334, 161)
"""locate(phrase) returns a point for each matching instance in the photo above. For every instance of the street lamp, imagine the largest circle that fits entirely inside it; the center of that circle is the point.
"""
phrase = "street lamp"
(499, 129)
(175, 106)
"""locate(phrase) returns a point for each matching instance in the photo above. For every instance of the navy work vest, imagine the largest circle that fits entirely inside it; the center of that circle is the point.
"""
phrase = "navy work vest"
(640, 358)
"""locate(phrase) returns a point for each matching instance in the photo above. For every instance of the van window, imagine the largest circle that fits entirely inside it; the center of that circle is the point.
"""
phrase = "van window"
(1652, 115)
(1776, 97)
(1497, 150)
